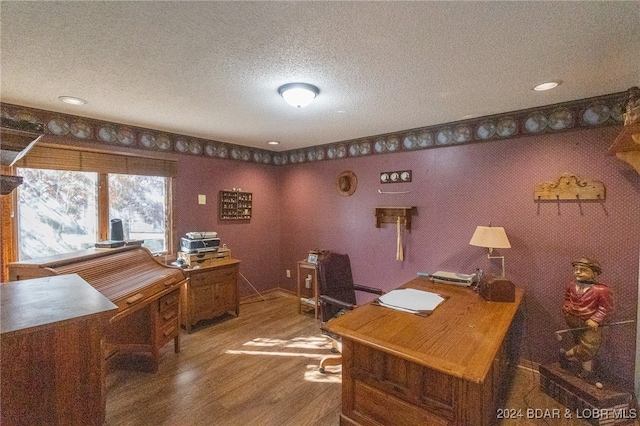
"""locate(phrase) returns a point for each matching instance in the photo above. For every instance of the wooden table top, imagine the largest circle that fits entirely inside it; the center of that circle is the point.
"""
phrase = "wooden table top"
(216, 264)
(71, 257)
(460, 338)
(31, 304)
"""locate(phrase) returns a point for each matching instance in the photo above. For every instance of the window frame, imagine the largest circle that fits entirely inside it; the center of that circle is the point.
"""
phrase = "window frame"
(63, 157)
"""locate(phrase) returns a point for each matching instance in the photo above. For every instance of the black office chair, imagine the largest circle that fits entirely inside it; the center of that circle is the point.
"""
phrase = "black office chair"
(337, 295)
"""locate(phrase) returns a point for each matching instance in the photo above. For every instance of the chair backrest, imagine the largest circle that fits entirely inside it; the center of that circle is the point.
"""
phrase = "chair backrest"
(335, 280)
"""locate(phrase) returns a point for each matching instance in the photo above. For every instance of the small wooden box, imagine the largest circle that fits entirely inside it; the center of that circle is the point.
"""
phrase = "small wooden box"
(496, 289)
(204, 259)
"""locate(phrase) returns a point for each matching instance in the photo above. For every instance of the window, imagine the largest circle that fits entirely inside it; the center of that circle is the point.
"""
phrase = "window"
(140, 202)
(57, 212)
(68, 197)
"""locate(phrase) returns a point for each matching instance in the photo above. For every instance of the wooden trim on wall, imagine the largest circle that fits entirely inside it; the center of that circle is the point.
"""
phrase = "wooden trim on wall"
(103, 207)
(172, 234)
(8, 228)
(598, 111)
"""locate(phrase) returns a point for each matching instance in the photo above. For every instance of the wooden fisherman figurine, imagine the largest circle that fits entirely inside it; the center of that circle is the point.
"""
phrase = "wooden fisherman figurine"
(587, 303)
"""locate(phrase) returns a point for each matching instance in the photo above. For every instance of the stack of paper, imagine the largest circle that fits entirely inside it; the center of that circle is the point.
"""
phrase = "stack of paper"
(411, 300)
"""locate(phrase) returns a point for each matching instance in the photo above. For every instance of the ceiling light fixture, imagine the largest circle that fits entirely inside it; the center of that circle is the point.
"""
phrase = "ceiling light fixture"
(72, 100)
(273, 143)
(298, 94)
(546, 86)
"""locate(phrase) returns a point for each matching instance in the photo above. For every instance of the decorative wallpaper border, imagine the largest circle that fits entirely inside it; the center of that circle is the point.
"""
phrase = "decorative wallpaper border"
(592, 112)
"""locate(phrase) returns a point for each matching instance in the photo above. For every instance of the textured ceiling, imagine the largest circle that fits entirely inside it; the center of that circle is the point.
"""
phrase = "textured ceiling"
(212, 69)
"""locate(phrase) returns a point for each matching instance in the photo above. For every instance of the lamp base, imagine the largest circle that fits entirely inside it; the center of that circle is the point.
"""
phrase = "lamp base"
(497, 289)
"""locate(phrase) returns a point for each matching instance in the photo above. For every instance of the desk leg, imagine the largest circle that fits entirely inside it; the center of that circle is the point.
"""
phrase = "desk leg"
(315, 289)
(155, 355)
(299, 291)
(185, 312)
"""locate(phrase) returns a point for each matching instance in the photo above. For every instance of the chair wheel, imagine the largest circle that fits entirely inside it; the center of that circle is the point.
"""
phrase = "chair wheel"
(321, 369)
(334, 351)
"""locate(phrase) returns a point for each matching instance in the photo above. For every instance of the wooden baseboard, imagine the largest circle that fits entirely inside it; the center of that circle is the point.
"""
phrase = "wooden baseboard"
(525, 364)
(268, 294)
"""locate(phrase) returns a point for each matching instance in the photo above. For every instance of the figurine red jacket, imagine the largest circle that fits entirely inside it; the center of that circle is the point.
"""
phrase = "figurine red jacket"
(595, 304)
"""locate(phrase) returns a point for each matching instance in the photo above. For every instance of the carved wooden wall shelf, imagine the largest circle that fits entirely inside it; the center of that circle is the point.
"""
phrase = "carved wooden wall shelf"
(391, 215)
(8, 183)
(627, 145)
(570, 187)
(16, 142)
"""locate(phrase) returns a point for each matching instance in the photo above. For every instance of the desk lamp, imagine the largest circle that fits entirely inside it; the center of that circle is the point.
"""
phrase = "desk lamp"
(494, 289)
(491, 237)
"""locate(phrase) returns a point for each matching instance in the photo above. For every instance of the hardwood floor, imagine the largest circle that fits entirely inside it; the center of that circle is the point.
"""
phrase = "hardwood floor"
(261, 369)
(257, 369)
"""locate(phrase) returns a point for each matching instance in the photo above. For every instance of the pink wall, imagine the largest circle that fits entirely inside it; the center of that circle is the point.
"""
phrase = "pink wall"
(457, 188)
(254, 242)
(296, 208)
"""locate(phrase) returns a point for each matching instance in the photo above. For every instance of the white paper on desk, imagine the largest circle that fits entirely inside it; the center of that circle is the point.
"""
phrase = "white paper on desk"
(411, 299)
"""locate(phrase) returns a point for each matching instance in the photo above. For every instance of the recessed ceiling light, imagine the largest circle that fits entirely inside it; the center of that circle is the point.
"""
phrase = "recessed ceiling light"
(72, 100)
(546, 86)
(273, 143)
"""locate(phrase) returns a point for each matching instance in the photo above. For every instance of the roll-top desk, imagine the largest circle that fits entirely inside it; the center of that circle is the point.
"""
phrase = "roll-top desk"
(449, 368)
(146, 292)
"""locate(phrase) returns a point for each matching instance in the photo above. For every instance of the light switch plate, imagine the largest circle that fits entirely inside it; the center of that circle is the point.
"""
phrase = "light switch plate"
(202, 199)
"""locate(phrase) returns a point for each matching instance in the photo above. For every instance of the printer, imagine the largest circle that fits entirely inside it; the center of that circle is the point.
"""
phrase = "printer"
(199, 245)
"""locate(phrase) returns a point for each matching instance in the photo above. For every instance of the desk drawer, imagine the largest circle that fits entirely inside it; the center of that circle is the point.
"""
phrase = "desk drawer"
(224, 276)
(144, 296)
(385, 409)
(167, 317)
(167, 333)
(214, 276)
(169, 301)
(422, 388)
(201, 278)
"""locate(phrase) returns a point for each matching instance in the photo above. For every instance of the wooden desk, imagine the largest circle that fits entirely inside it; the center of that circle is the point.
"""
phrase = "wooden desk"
(146, 291)
(52, 352)
(445, 369)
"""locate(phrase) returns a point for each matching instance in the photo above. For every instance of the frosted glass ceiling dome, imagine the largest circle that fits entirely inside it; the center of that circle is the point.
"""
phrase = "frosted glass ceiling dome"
(298, 94)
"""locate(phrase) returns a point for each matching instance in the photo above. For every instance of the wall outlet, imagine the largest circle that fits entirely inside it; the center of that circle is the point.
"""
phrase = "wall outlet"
(288, 273)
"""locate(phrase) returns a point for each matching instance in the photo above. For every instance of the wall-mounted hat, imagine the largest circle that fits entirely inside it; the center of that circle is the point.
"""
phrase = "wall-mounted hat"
(347, 183)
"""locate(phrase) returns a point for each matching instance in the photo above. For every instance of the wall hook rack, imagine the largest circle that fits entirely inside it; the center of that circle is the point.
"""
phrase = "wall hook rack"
(393, 214)
(570, 187)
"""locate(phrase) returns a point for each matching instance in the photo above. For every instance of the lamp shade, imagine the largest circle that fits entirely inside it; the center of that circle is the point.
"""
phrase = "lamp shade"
(298, 94)
(490, 237)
